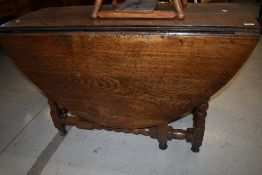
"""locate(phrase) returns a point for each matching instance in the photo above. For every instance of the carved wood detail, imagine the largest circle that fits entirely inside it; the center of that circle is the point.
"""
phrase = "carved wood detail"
(163, 133)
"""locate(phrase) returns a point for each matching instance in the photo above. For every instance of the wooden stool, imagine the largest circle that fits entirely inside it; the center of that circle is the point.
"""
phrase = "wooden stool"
(139, 9)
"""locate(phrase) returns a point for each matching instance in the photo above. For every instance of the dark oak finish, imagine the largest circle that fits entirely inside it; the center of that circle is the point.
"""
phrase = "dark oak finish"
(101, 76)
(134, 76)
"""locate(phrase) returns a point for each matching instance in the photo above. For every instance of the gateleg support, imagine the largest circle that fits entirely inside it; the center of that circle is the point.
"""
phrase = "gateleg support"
(196, 134)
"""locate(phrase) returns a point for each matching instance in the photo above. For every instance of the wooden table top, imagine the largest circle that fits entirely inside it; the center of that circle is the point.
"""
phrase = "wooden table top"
(204, 17)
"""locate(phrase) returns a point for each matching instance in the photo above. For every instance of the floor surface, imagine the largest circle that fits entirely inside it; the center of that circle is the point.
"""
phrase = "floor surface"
(30, 145)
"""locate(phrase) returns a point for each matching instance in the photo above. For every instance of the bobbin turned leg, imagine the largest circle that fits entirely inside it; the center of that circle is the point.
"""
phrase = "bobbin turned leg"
(162, 135)
(56, 115)
(199, 116)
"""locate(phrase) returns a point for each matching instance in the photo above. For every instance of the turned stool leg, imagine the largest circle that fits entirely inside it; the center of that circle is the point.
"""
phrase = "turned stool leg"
(199, 116)
(114, 3)
(179, 9)
(184, 2)
(97, 7)
(56, 115)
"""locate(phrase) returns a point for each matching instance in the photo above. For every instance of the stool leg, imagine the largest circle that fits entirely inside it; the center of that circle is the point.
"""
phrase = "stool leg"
(179, 9)
(114, 3)
(199, 116)
(97, 7)
(56, 115)
(184, 2)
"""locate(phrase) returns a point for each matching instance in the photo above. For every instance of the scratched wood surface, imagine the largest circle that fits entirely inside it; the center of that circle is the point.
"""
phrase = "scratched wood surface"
(128, 80)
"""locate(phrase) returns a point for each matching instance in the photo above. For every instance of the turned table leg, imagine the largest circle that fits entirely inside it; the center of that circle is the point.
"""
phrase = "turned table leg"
(162, 135)
(199, 116)
(56, 115)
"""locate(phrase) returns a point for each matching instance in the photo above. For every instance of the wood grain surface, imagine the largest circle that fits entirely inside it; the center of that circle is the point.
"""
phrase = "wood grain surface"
(128, 79)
